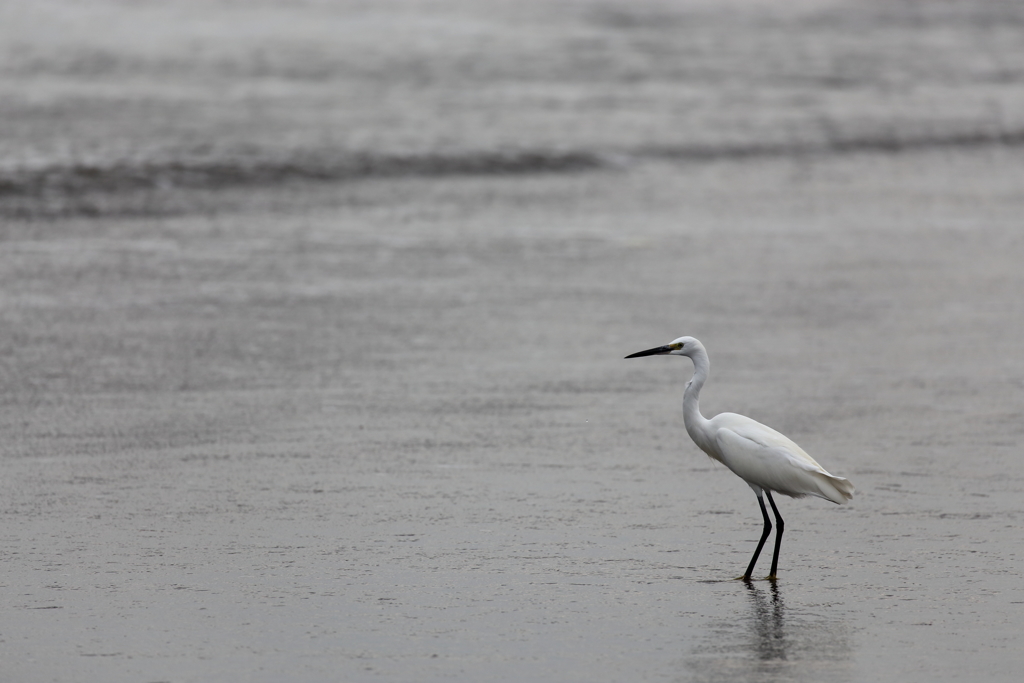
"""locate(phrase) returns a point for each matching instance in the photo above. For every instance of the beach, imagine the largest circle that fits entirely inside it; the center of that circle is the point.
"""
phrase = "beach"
(314, 320)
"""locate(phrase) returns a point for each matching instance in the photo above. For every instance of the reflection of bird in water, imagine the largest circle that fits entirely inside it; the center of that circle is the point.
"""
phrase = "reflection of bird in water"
(759, 455)
(768, 624)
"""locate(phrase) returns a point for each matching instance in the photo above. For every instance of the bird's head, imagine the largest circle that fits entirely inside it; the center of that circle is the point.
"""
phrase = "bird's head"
(684, 346)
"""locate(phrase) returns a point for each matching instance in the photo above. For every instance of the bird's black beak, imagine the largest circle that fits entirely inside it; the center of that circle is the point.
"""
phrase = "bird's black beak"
(656, 351)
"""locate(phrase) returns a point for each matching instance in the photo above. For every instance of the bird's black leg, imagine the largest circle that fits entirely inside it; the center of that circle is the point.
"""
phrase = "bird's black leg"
(764, 535)
(778, 534)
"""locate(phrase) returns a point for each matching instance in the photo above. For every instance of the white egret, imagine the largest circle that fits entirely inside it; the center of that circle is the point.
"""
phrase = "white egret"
(759, 455)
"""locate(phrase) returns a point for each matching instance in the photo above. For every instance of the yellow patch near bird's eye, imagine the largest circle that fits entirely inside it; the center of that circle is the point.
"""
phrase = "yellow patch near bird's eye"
(676, 346)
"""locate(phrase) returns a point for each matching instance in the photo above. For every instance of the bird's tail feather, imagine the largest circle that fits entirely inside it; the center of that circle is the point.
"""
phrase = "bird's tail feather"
(836, 489)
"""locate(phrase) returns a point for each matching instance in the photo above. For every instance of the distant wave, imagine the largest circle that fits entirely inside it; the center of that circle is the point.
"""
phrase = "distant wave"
(61, 188)
(219, 172)
(891, 144)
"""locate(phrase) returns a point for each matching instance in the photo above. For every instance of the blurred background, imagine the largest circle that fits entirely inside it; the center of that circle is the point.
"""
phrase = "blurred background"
(132, 96)
(312, 317)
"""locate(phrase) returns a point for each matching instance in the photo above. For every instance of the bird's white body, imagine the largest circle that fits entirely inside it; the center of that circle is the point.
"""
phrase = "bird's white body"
(765, 459)
(757, 454)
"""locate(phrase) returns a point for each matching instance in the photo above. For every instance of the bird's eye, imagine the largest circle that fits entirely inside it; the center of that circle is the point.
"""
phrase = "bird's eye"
(676, 346)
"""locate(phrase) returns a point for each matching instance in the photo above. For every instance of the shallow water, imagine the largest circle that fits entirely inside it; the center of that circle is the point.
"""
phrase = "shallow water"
(380, 427)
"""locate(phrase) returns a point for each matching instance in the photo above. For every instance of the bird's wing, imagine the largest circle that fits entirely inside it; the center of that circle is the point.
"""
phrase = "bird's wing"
(763, 435)
(762, 456)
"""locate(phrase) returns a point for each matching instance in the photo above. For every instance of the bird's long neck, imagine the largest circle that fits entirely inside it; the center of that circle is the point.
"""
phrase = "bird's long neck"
(696, 425)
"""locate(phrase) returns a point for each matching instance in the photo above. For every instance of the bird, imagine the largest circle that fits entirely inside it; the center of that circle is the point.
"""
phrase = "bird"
(765, 459)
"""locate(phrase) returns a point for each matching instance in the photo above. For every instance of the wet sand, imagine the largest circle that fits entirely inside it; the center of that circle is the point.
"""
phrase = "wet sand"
(379, 427)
